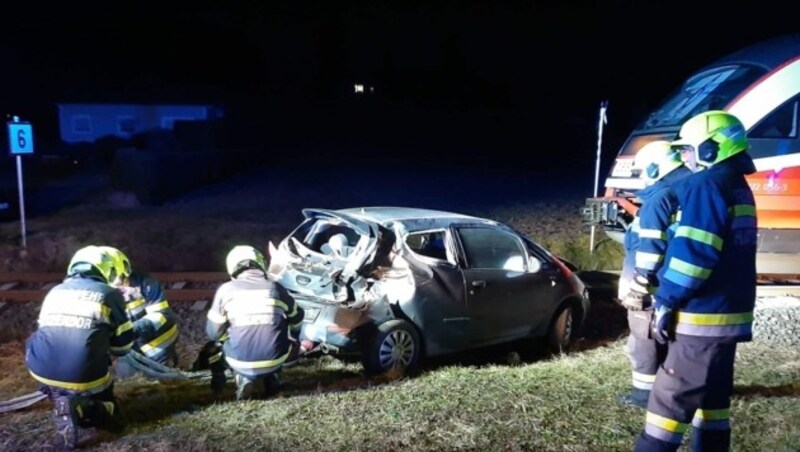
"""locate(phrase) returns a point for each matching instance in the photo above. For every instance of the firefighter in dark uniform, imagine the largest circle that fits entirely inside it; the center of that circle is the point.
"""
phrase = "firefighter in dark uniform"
(82, 323)
(645, 245)
(253, 317)
(153, 320)
(704, 305)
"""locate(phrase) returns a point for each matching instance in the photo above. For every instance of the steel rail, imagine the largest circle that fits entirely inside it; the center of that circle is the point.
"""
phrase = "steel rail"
(179, 286)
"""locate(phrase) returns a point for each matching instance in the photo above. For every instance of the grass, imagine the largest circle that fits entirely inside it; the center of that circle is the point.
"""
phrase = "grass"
(477, 402)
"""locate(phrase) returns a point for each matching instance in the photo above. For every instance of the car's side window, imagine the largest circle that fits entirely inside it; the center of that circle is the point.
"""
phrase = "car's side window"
(490, 248)
(428, 244)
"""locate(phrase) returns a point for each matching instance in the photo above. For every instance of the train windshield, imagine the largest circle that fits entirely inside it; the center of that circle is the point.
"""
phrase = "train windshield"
(709, 90)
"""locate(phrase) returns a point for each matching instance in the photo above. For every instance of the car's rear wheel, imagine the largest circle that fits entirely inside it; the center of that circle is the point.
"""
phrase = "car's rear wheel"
(561, 330)
(394, 343)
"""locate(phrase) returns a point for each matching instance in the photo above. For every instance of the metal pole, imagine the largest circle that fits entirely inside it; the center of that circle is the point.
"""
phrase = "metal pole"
(602, 119)
(21, 200)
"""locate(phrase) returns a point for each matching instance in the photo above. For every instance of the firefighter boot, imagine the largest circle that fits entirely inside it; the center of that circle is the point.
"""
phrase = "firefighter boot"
(272, 385)
(637, 398)
(67, 417)
(245, 387)
(104, 414)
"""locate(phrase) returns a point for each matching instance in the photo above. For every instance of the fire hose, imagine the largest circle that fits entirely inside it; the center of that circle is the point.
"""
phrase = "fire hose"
(138, 361)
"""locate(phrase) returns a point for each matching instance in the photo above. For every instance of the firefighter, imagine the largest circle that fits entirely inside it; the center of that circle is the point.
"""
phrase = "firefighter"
(253, 317)
(82, 323)
(645, 243)
(153, 320)
(704, 304)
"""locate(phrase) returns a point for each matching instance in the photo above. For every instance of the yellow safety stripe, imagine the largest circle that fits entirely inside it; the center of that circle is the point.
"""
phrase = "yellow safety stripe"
(157, 307)
(693, 318)
(686, 268)
(667, 424)
(700, 235)
(744, 210)
(123, 328)
(74, 386)
(652, 234)
(647, 378)
(158, 318)
(172, 332)
(216, 318)
(134, 304)
(713, 415)
(123, 348)
(257, 364)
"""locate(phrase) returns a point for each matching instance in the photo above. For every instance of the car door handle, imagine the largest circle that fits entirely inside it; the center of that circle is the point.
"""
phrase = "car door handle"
(479, 283)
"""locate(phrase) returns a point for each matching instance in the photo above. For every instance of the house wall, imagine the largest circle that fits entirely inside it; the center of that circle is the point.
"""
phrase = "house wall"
(88, 122)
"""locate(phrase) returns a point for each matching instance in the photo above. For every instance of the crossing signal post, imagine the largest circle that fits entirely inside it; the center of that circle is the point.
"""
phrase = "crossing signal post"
(20, 141)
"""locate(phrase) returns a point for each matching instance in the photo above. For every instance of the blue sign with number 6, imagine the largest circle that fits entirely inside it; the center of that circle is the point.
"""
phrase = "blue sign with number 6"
(20, 137)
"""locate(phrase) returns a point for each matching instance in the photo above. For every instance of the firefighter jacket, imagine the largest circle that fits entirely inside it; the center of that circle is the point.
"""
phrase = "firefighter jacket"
(81, 322)
(153, 320)
(646, 239)
(657, 223)
(710, 271)
(256, 314)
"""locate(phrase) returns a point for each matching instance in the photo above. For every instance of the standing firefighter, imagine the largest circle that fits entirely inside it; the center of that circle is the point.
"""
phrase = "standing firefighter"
(645, 245)
(704, 305)
(252, 316)
(81, 323)
(147, 308)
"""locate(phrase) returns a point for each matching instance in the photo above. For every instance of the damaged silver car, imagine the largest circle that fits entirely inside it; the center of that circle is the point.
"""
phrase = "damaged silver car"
(396, 284)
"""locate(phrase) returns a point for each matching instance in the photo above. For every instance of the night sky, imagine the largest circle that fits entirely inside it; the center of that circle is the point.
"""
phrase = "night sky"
(488, 79)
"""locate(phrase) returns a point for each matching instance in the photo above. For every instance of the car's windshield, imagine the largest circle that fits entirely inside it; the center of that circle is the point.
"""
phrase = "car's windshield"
(710, 90)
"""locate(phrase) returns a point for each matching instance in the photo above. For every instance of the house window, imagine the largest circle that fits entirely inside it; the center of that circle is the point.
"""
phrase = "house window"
(168, 122)
(82, 124)
(126, 125)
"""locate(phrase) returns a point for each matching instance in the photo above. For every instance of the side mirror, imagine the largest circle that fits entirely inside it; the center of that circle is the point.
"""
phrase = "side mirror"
(534, 265)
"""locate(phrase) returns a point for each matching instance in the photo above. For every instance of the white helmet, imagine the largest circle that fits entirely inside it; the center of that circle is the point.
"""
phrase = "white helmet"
(655, 160)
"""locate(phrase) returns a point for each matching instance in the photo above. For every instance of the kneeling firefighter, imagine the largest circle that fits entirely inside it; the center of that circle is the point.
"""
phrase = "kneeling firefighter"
(82, 323)
(252, 317)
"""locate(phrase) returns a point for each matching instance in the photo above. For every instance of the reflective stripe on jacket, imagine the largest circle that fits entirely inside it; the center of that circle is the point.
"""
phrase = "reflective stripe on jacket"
(82, 321)
(710, 272)
(256, 313)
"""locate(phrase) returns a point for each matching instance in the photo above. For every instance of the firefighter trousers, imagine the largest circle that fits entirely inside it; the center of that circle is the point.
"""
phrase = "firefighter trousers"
(693, 386)
(644, 353)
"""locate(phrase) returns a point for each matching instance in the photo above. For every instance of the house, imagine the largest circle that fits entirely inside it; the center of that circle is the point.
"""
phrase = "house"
(88, 122)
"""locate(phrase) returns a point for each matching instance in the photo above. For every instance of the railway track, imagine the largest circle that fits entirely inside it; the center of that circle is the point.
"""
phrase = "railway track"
(183, 286)
(200, 286)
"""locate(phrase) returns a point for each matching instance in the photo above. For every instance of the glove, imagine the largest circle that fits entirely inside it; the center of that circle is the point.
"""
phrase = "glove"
(638, 296)
(663, 324)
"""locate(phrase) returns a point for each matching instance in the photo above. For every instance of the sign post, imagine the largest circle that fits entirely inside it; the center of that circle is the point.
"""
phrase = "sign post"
(20, 141)
(603, 119)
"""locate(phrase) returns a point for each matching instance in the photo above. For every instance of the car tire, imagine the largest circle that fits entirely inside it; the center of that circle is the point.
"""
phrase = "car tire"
(562, 327)
(394, 343)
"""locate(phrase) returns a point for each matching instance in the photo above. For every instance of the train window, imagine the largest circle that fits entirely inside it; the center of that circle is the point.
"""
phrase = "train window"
(781, 123)
(709, 90)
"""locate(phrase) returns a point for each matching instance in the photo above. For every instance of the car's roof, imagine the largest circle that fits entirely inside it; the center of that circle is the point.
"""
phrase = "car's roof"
(381, 214)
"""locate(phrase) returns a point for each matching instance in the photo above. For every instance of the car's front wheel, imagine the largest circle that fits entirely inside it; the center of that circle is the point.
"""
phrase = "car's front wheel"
(395, 343)
(561, 329)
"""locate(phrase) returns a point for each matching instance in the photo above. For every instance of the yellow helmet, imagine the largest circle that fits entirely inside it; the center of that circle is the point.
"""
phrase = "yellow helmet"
(242, 257)
(655, 160)
(713, 136)
(121, 263)
(93, 260)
